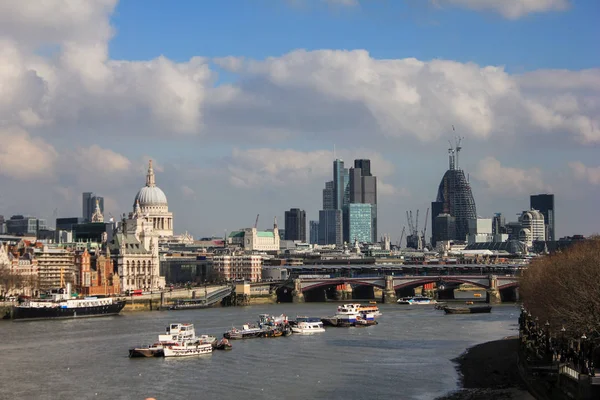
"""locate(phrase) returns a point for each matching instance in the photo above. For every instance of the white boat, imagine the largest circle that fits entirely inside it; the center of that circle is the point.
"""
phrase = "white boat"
(187, 349)
(417, 300)
(369, 309)
(308, 325)
(178, 333)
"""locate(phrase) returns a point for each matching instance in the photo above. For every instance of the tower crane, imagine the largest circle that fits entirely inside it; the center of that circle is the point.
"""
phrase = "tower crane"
(424, 231)
(401, 237)
(256, 222)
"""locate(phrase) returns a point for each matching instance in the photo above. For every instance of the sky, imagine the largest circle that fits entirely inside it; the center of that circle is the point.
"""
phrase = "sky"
(240, 105)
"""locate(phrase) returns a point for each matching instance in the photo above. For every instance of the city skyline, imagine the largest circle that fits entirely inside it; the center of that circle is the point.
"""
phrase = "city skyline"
(241, 123)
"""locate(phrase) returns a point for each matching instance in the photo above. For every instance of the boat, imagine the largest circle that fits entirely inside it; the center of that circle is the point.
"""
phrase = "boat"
(223, 344)
(469, 292)
(153, 350)
(176, 334)
(366, 319)
(308, 325)
(248, 331)
(369, 309)
(416, 300)
(467, 310)
(187, 349)
(345, 316)
(266, 320)
(62, 306)
(271, 333)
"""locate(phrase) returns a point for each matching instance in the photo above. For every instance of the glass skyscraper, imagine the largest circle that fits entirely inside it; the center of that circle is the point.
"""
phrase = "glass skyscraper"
(359, 223)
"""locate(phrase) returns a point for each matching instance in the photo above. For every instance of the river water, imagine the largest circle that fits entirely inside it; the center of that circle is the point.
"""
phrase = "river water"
(407, 356)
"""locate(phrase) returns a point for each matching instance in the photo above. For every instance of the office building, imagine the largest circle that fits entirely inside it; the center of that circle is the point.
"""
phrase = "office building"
(329, 196)
(330, 227)
(362, 189)
(358, 223)
(89, 201)
(313, 232)
(295, 225)
(456, 198)
(544, 203)
(25, 226)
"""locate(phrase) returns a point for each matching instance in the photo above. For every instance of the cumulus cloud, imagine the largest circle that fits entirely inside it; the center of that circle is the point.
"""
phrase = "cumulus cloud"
(501, 180)
(511, 9)
(25, 157)
(263, 167)
(350, 92)
(582, 172)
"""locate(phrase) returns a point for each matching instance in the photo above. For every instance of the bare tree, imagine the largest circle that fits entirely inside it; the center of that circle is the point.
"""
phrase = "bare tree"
(564, 289)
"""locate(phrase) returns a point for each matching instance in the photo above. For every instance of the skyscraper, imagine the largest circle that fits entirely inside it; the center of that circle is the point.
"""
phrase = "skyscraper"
(455, 196)
(295, 225)
(313, 232)
(544, 203)
(362, 190)
(339, 183)
(89, 205)
(330, 227)
(329, 196)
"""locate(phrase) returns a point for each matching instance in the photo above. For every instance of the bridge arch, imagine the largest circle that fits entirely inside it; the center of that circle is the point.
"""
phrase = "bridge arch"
(435, 279)
(341, 281)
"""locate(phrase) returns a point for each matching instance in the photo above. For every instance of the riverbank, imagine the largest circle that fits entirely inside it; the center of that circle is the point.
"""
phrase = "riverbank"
(490, 371)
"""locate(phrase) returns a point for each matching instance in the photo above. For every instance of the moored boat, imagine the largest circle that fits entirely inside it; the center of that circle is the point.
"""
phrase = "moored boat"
(467, 310)
(247, 332)
(176, 334)
(416, 300)
(187, 349)
(223, 344)
(366, 319)
(62, 306)
(308, 325)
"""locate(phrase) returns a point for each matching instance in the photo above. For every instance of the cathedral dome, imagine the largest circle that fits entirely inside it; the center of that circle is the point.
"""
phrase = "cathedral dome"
(150, 195)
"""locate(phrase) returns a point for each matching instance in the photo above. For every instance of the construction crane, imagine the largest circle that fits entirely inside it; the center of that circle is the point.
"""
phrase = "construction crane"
(256, 222)
(415, 232)
(424, 231)
(401, 237)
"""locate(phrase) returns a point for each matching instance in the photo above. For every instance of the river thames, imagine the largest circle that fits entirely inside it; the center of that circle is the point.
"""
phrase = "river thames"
(407, 356)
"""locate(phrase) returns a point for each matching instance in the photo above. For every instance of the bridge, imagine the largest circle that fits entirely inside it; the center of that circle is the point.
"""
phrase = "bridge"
(390, 285)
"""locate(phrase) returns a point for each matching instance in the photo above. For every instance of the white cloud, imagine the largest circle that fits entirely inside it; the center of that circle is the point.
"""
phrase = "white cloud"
(501, 180)
(582, 172)
(100, 161)
(511, 9)
(265, 167)
(187, 191)
(350, 92)
(25, 157)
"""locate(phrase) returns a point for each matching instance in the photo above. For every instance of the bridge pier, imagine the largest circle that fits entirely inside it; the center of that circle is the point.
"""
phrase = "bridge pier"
(389, 293)
(297, 295)
(493, 294)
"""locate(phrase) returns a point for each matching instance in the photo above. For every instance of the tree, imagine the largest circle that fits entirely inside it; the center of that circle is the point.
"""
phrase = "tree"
(564, 289)
(9, 280)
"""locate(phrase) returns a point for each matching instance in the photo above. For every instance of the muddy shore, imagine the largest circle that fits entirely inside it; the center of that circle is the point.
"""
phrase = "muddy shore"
(489, 371)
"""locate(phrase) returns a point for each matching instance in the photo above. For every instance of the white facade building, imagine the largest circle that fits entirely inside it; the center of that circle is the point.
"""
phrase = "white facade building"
(154, 206)
(251, 239)
(532, 227)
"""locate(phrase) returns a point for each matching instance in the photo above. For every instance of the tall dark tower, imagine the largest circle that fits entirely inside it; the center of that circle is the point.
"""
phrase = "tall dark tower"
(455, 196)
(544, 203)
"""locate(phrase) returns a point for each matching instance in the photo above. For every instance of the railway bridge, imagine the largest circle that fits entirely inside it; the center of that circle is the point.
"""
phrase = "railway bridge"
(390, 285)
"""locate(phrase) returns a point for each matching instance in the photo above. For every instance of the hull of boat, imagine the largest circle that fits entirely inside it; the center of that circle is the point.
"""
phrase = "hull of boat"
(33, 313)
(341, 323)
(187, 351)
(145, 352)
(241, 335)
(301, 331)
(467, 310)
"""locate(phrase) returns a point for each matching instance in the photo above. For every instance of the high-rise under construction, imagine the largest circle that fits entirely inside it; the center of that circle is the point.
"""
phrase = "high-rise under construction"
(454, 206)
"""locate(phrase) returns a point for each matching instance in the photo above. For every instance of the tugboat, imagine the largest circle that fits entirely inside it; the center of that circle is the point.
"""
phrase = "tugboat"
(62, 306)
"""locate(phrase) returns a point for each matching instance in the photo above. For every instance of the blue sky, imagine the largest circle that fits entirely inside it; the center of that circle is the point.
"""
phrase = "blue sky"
(240, 103)
(387, 29)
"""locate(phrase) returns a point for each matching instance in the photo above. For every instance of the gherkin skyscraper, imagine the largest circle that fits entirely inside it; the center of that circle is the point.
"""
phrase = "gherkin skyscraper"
(455, 196)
